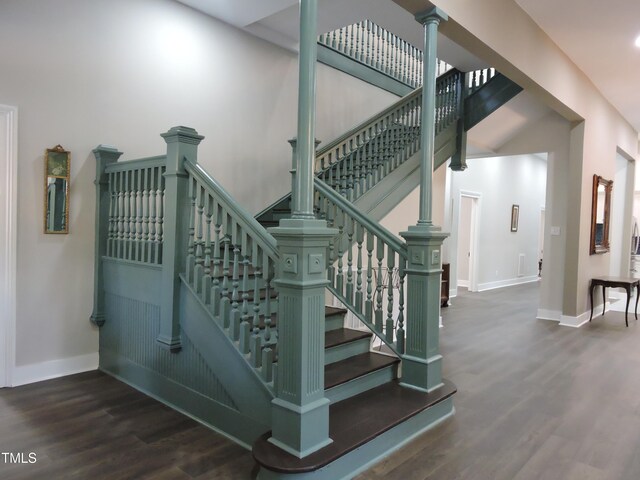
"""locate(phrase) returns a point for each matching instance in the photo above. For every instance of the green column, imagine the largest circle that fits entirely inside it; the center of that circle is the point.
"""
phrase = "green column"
(430, 20)
(182, 145)
(300, 411)
(422, 362)
(104, 156)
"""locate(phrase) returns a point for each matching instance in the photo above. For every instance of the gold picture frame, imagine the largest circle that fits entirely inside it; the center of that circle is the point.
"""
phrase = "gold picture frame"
(57, 165)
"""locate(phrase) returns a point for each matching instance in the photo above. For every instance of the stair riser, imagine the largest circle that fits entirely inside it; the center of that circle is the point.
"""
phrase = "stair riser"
(342, 352)
(362, 384)
(333, 322)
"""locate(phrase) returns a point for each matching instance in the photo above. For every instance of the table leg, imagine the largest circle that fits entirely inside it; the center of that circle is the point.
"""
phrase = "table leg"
(591, 298)
(626, 310)
(637, 296)
(604, 301)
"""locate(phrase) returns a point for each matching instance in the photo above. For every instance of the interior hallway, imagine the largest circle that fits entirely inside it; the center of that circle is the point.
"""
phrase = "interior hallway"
(535, 401)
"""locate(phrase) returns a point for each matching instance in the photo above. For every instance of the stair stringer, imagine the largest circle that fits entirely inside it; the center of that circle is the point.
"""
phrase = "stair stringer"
(394, 187)
(249, 393)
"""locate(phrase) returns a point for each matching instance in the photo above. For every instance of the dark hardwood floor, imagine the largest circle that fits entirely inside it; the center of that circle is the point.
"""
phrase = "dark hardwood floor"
(535, 401)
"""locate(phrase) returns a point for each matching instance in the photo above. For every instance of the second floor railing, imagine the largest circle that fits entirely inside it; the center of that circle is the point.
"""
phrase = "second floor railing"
(380, 49)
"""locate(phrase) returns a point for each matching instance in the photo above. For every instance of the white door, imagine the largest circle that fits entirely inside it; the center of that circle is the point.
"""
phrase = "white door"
(467, 240)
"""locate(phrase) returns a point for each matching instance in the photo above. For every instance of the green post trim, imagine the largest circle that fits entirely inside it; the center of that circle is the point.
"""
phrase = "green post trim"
(105, 155)
(182, 145)
(459, 159)
(430, 20)
(300, 411)
(303, 194)
(421, 364)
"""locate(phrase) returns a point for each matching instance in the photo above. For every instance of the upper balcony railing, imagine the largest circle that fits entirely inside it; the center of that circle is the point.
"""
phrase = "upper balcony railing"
(378, 48)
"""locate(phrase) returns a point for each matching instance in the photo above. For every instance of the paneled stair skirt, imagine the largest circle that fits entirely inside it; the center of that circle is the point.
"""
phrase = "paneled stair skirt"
(364, 429)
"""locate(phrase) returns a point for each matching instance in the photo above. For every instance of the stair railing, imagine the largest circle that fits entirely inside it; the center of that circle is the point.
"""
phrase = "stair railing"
(136, 200)
(478, 78)
(230, 264)
(357, 259)
(381, 50)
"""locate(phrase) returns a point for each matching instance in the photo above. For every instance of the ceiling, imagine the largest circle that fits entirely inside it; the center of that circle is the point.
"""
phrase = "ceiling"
(598, 38)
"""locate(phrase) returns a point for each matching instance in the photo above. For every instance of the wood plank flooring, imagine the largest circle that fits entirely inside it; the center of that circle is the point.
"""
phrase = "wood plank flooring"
(535, 401)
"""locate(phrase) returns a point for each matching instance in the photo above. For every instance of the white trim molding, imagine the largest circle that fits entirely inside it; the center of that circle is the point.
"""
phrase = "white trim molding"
(509, 282)
(8, 243)
(37, 372)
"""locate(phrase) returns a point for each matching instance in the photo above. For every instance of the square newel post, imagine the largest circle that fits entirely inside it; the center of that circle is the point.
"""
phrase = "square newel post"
(422, 362)
(300, 411)
(104, 155)
(182, 145)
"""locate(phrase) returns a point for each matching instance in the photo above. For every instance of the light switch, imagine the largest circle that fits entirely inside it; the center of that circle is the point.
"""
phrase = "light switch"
(555, 231)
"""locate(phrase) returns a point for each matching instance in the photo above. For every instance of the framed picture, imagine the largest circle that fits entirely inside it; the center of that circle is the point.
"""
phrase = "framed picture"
(515, 213)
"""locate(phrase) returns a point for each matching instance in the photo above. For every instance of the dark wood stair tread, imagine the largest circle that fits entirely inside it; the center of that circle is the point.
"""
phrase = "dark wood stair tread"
(333, 338)
(353, 367)
(333, 311)
(354, 422)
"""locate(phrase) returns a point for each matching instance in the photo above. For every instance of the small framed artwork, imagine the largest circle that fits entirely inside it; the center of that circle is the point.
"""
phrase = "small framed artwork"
(515, 213)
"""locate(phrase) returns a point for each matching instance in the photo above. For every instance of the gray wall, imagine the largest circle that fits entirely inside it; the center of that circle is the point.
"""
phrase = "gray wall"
(120, 72)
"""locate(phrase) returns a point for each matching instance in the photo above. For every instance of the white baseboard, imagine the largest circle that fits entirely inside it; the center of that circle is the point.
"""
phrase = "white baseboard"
(507, 283)
(37, 372)
(552, 315)
(453, 292)
(463, 283)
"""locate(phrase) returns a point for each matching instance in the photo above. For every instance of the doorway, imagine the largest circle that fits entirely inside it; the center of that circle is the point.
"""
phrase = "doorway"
(467, 240)
(8, 238)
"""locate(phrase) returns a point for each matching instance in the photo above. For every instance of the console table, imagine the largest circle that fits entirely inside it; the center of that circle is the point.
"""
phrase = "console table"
(615, 282)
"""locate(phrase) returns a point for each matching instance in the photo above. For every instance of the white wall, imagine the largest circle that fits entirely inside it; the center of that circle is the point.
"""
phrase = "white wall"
(502, 182)
(621, 217)
(121, 72)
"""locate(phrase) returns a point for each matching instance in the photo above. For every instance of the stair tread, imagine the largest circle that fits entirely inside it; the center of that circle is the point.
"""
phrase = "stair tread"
(341, 336)
(345, 370)
(354, 422)
(333, 310)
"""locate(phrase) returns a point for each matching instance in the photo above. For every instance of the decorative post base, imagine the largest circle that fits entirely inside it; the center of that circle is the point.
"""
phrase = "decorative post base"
(300, 411)
(422, 363)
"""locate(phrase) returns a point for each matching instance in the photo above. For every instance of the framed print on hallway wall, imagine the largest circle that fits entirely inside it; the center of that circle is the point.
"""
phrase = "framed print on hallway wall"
(515, 213)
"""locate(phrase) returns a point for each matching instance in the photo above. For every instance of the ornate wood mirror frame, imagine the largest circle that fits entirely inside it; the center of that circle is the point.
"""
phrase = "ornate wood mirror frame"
(600, 215)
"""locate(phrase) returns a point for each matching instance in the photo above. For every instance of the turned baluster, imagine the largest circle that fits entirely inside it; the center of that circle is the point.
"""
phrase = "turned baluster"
(191, 232)
(206, 285)
(245, 326)
(368, 304)
(120, 217)
(350, 170)
(400, 330)
(352, 42)
(267, 301)
(225, 298)
(330, 217)
(160, 226)
(391, 255)
(139, 217)
(379, 287)
(127, 216)
(112, 215)
(358, 40)
(199, 243)
(256, 338)
(234, 330)
(359, 293)
(145, 216)
(349, 228)
(340, 222)
(369, 54)
(217, 261)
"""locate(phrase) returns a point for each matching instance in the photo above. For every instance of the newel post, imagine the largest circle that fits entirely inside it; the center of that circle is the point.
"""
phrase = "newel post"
(182, 146)
(422, 362)
(104, 155)
(300, 411)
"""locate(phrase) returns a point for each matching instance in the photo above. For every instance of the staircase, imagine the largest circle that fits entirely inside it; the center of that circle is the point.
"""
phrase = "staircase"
(181, 265)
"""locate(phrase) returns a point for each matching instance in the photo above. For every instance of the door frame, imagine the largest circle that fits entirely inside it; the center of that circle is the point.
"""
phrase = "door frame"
(476, 199)
(8, 244)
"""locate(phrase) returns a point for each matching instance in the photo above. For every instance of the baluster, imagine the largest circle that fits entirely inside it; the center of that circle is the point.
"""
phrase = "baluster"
(366, 159)
(400, 330)
(145, 216)
(199, 243)
(331, 271)
(368, 304)
(132, 216)
(160, 227)
(359, 241)
(206, 286)
(112, 207)
(334, 40)
(358, 37)
(392, 55)
(139, 214)
(378, 44)
(217, 261)
(267, 303)
(256, 339)
(351, 168)
(341, 40)
(340, 222)
(234, 330)
(225, 298)
(120, 219)
(370, 47)
(391, 255)
(127, 218)
(379, 287)
(349, 227)
(191, 233)
(362, 167)
(245, 326)
(343, 171)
